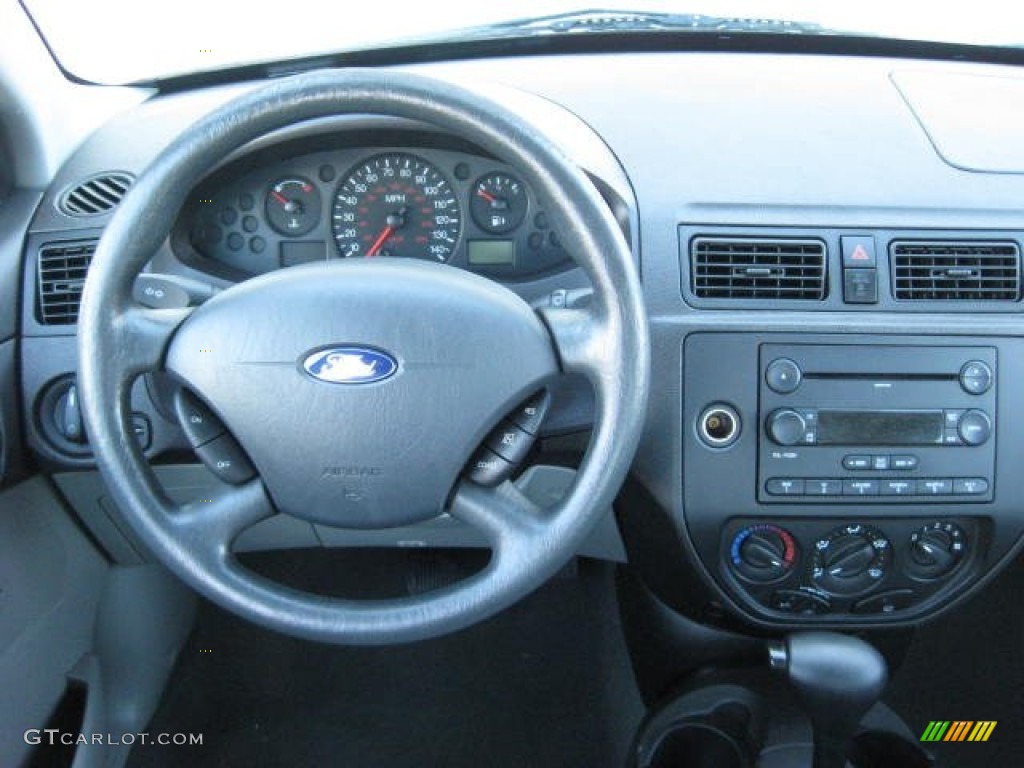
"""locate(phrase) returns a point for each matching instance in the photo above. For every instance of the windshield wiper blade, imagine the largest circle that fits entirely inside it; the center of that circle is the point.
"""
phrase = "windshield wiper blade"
(616, 21)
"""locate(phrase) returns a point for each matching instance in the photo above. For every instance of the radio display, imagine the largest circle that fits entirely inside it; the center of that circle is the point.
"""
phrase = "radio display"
(880, 427)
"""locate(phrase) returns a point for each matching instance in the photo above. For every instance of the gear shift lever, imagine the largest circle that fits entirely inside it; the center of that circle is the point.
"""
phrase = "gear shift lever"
(837, 679)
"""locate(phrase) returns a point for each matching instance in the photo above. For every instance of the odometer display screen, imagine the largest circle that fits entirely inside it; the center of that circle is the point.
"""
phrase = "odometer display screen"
(396, 204)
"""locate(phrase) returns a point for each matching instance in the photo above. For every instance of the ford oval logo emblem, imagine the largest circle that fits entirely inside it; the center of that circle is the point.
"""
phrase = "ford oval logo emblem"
(350, 365)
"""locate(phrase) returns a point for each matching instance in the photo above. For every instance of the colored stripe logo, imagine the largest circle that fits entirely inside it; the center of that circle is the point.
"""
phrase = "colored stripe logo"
(958, 730)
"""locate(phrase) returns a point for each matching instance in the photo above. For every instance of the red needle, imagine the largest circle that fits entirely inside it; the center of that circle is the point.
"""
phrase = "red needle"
(379, 241)
(486, 195)
(279, 197)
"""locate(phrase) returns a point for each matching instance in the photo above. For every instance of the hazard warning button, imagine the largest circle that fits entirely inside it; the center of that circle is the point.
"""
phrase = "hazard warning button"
(858, 251)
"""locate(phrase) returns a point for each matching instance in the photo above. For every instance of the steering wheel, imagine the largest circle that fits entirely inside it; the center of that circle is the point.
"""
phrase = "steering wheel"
(465, 352)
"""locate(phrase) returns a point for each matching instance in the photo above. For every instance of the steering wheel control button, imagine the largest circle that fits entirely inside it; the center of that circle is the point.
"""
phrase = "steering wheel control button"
(530, 414)
(783, 376)
(489, 470)
(975, 377)
(785, 486)
(974, 428)
(197, 421)
(719, 426)
(225, 458)
(510, 442)
(858, 251)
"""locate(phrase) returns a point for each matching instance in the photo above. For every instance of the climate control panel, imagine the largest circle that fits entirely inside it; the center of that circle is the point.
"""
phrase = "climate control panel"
(821, 568)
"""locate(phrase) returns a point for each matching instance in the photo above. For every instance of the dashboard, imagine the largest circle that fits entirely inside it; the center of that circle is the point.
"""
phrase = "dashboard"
(816, 222)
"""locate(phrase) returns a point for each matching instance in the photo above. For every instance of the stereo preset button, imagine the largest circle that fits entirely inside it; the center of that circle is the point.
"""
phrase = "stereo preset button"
(970, 486)
(975, 377)
(898, 487)
(974, 428)
(857, 463)
(860, 487)
(903, 462)
(934, 487)
(823, 487)
(785, 486)
(783, 376)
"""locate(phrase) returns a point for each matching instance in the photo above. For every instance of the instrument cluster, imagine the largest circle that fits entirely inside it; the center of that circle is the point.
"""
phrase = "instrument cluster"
(428, 203)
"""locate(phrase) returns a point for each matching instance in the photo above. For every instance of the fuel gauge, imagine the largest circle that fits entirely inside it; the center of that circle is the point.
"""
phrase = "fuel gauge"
(498, 203)
(293, 206)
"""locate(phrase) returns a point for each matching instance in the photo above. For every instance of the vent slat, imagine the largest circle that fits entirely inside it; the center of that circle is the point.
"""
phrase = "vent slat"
(96, 195)
(742, 268)
(955, 271)
(61, 272)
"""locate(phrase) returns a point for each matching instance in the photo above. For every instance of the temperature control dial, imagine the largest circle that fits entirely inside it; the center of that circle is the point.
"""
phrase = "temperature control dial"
(936, 550)
(851, 559)
(763, 553)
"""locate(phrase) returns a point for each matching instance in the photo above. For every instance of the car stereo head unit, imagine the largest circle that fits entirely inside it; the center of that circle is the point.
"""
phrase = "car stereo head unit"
(881, 424)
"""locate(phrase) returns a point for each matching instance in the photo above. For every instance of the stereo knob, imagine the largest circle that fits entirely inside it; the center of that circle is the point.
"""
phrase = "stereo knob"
(974, 428)
(787, 427)
(935, 550)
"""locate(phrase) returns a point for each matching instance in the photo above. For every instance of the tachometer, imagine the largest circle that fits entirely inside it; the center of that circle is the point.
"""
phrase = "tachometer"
(396, 204)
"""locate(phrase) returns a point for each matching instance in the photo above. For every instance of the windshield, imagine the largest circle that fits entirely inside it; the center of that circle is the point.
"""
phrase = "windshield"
(123, 41)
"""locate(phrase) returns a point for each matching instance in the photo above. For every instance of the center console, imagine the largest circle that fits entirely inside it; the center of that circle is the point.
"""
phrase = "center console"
(849, 479)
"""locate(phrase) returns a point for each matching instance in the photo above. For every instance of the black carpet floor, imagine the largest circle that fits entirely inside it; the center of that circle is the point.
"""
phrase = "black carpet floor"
(969, 665)
(546, 683)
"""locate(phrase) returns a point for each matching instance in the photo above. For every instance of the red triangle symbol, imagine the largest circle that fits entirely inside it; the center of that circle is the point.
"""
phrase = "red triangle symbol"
(859, 254)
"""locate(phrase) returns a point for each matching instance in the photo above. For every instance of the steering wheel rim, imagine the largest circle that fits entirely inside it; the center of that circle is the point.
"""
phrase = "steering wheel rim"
(120, 340)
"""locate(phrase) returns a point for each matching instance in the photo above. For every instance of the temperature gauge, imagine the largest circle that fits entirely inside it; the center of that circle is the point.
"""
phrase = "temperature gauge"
(293, 206)
(498, 203)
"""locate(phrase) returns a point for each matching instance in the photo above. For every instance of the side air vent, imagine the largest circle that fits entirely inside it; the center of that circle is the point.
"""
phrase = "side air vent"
(957, 271)
(61, 274)
(769, 268)
(95, 195)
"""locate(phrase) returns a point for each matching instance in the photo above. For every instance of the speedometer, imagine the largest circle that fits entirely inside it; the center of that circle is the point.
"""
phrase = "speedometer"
(396, 204)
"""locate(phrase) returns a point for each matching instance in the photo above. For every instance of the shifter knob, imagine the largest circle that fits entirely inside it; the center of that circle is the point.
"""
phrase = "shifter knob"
(837, 679)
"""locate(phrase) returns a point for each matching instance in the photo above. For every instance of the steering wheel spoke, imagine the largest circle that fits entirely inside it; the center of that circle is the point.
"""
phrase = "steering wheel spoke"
(503, 514)
(144, 336)
(208, 526)
(581, 338)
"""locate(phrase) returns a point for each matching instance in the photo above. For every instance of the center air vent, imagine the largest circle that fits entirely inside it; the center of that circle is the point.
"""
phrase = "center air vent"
(61, 275)
(95, 195)
(768, 268)
(958, 271)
